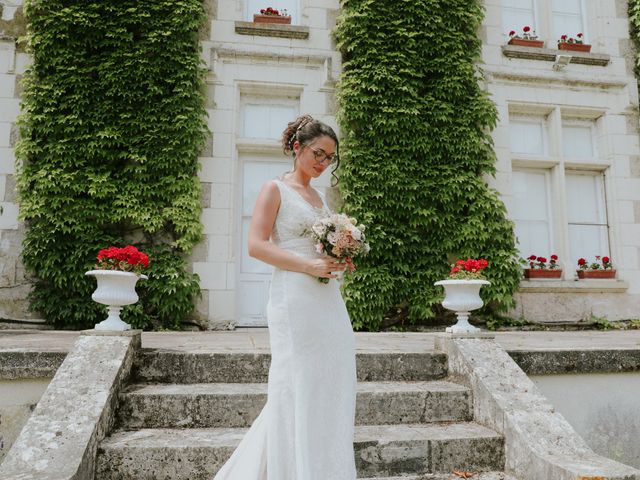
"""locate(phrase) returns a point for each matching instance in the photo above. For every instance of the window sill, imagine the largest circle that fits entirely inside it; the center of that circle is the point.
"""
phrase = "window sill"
(272, 30)
(259, 145)
(573, 286)
(549, 55)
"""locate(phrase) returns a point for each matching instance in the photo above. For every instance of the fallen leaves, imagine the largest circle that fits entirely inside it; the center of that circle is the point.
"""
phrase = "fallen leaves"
(463, 474)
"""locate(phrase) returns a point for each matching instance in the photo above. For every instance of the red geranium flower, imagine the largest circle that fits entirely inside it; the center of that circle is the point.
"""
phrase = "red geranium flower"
(526, 28)
(605, 259)
(582, 261)
(126, 259)
(468, 269)
(554, 257)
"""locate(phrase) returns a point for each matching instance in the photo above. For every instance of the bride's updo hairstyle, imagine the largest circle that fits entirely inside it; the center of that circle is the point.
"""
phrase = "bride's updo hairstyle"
(305, 129)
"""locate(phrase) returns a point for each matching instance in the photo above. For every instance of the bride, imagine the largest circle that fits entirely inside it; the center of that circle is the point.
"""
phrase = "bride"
(306, 428)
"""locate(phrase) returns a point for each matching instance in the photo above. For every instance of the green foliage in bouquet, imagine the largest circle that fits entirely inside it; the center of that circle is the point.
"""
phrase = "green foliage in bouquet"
(112, 123)
(416, 149)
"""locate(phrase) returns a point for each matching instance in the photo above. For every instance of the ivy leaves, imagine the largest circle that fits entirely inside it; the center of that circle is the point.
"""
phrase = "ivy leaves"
(113, 121)
(416, 146)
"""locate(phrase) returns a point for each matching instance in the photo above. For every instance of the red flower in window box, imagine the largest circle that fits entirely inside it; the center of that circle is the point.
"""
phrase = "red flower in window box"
(576, 44)
(538, 267)
(602, 268)
(271, 15)
(528, 38)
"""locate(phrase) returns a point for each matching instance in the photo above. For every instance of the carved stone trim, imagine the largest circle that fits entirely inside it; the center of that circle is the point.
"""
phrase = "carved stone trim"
(549, 55)
(272, 30)
(571, 286)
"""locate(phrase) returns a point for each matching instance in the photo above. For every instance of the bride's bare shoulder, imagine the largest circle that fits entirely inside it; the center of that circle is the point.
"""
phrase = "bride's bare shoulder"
(270, 192)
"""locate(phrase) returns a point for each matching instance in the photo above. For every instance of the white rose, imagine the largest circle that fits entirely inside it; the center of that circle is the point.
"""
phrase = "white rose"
(318, 229)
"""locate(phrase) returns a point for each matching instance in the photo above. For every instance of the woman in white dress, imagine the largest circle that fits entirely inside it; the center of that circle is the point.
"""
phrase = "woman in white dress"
(305, 431)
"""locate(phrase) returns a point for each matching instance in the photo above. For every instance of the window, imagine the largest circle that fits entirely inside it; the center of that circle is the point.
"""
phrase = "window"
(550, 19)
(266, 121)
(558, 201)
(531, 212)
(578, 141)
(518, 13)
(586, 214)
(528, 136)
(254, 6)
(264, 113)
(567, 18)
(254, 175)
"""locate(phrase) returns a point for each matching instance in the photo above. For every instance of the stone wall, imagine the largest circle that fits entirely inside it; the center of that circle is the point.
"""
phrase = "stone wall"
(599, 88)
(299, 63)
(14, 286)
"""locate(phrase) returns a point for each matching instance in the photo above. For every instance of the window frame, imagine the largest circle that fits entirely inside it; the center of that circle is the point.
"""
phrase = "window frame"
(518, 28)
(543, 16)
(550, 217)
(554, 118)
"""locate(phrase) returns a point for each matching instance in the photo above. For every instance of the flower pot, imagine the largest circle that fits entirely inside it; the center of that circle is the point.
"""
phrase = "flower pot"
(526, 43)
(115, 290)
(542, 273)
(259, 18)
(576, 47)
(599, 274)
(462, 296)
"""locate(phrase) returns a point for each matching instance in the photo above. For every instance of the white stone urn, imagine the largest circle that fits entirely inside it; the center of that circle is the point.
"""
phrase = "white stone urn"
(115, 290)
(462, 296)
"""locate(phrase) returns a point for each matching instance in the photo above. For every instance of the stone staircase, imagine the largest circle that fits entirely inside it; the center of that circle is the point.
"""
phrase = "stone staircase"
(184, 413)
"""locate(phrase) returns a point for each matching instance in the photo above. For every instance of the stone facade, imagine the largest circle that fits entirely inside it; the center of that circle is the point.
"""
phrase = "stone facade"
(14, 286)
(597, 89)
(295, 67)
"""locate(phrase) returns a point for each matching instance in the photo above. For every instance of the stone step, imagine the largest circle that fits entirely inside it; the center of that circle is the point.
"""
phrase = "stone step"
(238, 404)
(171, 366)
(445, 476)
(380, 450)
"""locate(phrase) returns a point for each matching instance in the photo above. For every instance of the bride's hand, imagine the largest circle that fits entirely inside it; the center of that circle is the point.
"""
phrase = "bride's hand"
(322, 267)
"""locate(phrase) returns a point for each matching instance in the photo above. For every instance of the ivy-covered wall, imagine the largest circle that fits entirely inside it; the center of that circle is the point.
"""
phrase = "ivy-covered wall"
(634, 30)
(416, 146)
(113, 120)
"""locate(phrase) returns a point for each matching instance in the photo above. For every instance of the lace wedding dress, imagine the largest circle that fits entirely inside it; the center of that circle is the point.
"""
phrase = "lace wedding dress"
(305, 430)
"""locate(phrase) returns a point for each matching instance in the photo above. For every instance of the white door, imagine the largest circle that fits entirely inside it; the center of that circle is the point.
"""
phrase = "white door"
(255, 276)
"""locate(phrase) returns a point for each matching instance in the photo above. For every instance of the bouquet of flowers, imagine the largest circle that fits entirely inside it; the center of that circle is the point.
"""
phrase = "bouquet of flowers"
(469, 269)
(340, 237)
(125, 259)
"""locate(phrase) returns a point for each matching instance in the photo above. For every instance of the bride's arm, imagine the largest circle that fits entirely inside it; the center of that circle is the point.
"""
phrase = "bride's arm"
(261, 248)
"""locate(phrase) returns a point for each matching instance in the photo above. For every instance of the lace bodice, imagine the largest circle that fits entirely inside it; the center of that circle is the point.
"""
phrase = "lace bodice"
(296, 214)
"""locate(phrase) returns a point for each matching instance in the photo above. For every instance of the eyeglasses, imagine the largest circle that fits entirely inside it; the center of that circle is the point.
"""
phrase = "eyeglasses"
(321, 156)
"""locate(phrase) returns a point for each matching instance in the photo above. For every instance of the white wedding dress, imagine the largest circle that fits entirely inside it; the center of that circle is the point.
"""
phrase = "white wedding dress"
(306, 428)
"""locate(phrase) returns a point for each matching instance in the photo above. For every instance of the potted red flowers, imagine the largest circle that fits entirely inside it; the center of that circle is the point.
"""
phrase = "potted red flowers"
(117, 272)
(271, 15)
(539, 268)
(528, 38)
(601, 268)
(462, 292)
(576, 44)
